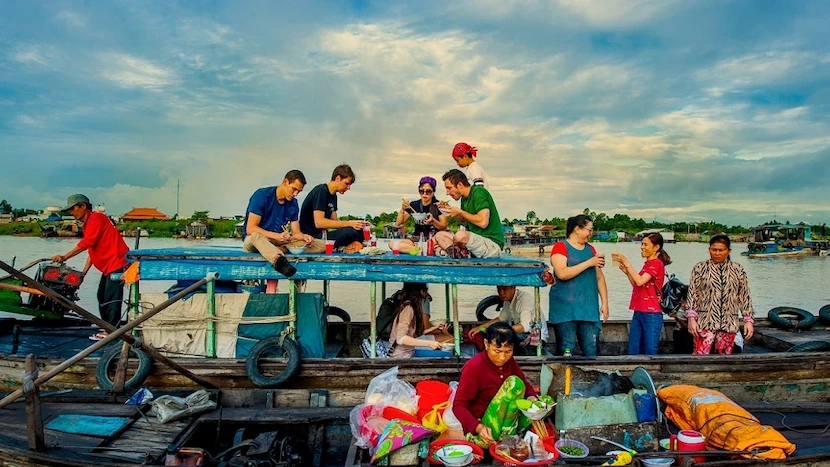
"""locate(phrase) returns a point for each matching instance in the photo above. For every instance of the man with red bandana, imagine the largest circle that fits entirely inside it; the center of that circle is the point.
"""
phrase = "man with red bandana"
(107, 252)
(464, 156)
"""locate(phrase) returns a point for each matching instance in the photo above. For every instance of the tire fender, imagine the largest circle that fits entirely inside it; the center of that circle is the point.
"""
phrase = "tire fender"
(811, 346)
(486, 303)
(805, 320)
(824, 315)
(292, 352)
(145, 365)
(340, 313)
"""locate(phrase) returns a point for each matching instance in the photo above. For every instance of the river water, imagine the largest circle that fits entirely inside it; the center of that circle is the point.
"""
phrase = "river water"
(799, 282)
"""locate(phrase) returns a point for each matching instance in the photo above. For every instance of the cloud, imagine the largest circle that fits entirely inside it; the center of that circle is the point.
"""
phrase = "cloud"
(668, 109)
(72, 19)
(132, 72)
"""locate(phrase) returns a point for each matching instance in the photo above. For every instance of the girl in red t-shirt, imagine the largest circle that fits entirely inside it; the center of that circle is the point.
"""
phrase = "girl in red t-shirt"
(647, 323)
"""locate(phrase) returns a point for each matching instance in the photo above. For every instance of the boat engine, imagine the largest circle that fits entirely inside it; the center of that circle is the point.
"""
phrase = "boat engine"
(266, 450)
(62, 279)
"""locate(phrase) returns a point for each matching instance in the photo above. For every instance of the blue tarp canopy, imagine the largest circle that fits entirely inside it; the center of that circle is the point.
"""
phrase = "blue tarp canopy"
(232, 263)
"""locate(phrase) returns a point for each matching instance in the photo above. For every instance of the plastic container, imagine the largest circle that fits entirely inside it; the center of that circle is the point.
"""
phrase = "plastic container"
(688, 440)
(657, 461)
(431, 393)
(646, 410)
(390, 413)
(457, 454)
(432, 458)
(562, 443)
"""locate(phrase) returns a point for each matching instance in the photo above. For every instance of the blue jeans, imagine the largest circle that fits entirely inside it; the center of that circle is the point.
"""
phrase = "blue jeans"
(644, 336)
(429, 353)
(586, 332)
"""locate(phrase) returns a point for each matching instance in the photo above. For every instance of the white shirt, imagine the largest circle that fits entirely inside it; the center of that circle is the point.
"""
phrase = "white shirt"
(476, 175)
(522, 310)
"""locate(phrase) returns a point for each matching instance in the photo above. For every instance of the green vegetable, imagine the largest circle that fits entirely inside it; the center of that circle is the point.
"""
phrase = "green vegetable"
(455, 454)
(572, 450)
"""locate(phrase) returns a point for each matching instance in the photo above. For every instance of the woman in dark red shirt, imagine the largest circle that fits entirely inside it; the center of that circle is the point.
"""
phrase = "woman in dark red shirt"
(492, 377)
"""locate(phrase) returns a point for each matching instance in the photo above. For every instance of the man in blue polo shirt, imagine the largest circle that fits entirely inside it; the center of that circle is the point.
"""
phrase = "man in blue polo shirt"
(271, 212)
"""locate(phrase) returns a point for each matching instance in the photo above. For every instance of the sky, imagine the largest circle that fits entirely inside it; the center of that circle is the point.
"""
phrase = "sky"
(668, 110)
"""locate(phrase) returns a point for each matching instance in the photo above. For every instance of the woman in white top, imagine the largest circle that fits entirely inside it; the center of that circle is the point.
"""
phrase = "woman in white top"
(464, 156)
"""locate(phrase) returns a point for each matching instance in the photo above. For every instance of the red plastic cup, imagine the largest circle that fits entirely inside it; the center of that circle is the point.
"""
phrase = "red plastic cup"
(396, 247)
(329, 247)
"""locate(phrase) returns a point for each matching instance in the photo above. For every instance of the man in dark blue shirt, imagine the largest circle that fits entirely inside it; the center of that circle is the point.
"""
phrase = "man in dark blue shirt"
(272, 221)
(319, 212)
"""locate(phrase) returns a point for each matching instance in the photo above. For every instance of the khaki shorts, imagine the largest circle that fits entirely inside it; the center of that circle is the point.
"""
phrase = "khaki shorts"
(482, 247)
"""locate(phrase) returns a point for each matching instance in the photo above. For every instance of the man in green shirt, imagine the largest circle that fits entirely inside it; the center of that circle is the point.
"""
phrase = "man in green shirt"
(485, 238)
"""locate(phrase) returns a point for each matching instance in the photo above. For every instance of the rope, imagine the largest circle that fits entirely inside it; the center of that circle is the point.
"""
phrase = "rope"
(29, 381)
(159, 323)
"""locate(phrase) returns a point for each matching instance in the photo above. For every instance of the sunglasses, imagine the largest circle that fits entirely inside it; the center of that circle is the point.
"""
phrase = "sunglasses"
(425, 192)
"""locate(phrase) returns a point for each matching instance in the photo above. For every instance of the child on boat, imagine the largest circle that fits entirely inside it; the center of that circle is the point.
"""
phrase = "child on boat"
(491, 382)
(464, 156)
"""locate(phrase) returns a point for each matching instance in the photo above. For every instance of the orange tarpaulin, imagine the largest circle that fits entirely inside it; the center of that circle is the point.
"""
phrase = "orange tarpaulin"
(725, 424)
(131, 276)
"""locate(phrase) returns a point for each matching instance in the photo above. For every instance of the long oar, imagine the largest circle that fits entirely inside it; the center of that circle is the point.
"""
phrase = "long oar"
(114, 335)
(18, 288)
(107, 326)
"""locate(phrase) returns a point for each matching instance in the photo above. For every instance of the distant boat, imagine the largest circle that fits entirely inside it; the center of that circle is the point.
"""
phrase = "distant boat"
(783, 240)
(668, 235)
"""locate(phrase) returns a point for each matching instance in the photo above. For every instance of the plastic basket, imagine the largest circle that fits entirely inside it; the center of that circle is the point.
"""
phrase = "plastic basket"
(570, 443)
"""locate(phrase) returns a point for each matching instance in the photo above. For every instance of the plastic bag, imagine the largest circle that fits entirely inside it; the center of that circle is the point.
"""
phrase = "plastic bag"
(449, 417)
(364, 434)
(434, 420)
(386, 389)
(170, 408)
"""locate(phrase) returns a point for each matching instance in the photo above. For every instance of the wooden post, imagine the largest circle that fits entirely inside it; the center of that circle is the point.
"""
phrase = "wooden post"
(373, 323)
(34, 420)
(121, 369)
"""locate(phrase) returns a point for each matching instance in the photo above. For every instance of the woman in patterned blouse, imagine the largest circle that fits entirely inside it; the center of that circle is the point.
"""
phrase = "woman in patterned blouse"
(718, 297)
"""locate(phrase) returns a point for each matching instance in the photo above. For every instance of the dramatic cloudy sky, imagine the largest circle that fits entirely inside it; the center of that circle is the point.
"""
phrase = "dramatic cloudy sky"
(675, 110)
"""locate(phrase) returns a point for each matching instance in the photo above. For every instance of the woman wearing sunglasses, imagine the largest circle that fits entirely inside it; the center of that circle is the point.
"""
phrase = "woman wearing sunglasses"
(428, 219)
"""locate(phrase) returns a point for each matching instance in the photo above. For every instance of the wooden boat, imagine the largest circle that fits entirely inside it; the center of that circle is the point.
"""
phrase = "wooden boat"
(342, 367)
(773, 240)
(315, 404)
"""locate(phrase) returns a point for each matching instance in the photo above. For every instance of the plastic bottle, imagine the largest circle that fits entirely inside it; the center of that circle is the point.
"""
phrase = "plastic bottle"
(422, 245)
(325, 237)
(567, 352)
(373, 241)
(430, 246)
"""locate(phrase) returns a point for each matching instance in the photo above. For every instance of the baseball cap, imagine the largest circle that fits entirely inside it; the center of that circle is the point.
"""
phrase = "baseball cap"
(463, 148)
(75, 199)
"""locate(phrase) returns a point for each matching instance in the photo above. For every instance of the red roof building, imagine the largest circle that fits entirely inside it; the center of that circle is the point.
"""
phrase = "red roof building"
(143, 214)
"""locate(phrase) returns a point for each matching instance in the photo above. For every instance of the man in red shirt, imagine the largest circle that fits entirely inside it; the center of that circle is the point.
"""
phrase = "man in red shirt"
(107, 252)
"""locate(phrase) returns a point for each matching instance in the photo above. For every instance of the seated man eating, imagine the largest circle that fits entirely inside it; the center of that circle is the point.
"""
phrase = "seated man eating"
(518, 311)
(485, 239)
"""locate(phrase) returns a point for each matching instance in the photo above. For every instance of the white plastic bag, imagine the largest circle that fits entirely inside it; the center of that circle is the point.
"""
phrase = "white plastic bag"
(170, 408)
(386, 389)
(449, 416)
(364, 434)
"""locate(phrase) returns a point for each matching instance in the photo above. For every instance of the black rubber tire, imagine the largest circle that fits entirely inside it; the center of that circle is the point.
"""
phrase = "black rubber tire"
(811, 346)
(805, 321)
(340, 313)
(486, 303)
(292, 352)
(111, 356)
(824, 315)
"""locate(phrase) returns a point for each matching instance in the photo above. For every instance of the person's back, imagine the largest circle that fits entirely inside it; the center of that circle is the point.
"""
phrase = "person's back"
(319, 198)
(480, 199)
(105, 245)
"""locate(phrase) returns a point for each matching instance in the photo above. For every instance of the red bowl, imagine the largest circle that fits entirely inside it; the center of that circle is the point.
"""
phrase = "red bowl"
(393, 412)
(508, 462)
(478, 453)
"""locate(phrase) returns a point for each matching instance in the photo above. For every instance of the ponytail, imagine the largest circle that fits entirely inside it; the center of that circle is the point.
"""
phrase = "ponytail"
(656, 239)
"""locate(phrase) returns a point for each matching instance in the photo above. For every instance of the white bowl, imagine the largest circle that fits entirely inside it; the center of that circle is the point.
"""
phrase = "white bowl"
(456, 455)
(419, 216)
(664, 443)
(657, 461)
(296, 250)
